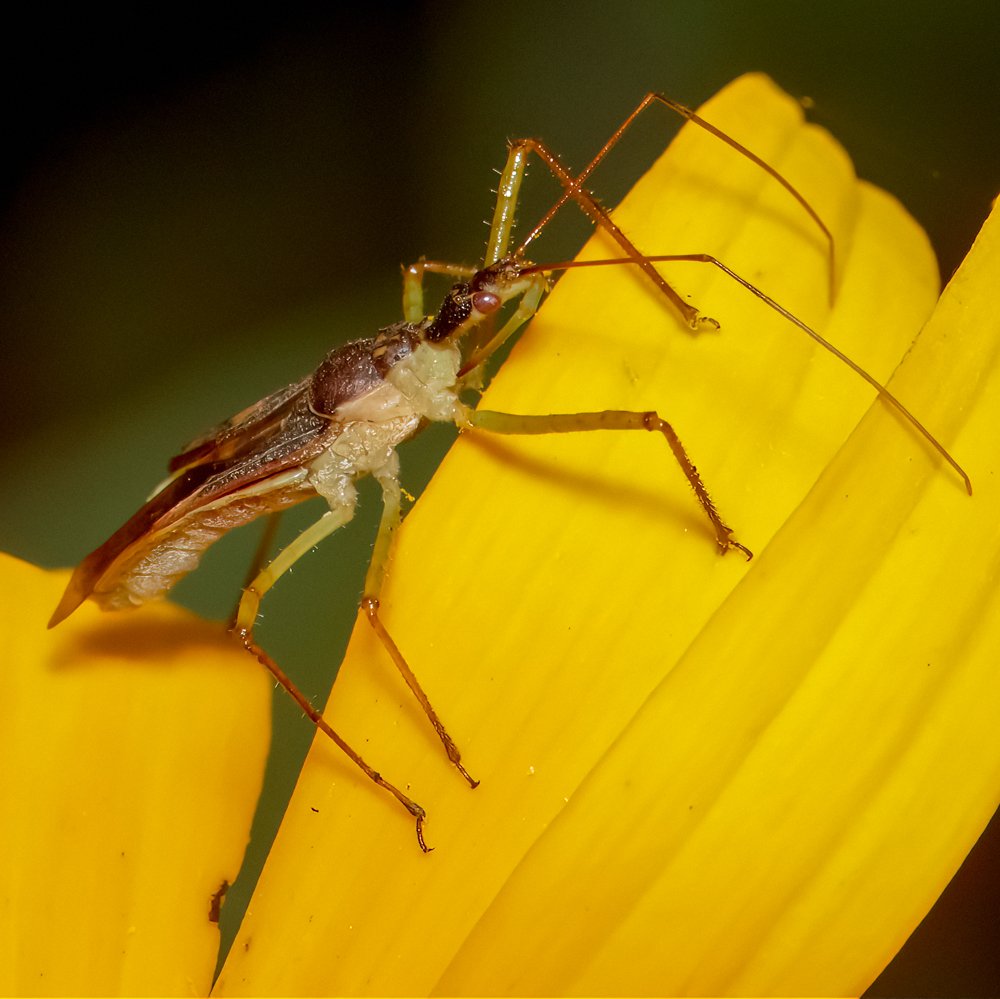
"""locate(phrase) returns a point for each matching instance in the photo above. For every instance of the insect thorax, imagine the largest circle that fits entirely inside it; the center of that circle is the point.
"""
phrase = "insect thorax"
(419, 386)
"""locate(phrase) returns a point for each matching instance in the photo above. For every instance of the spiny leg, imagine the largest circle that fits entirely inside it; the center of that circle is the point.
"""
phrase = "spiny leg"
(573, 190)
(503, 218)
(686, 112)
(391, 517)
(246, 615)
(609, 419)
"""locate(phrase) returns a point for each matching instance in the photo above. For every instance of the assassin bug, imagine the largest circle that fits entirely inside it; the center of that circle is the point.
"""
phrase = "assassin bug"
(318, 435)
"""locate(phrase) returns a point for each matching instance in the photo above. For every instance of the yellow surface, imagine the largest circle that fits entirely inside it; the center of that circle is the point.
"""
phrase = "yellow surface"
(699, 775)
(132, 749)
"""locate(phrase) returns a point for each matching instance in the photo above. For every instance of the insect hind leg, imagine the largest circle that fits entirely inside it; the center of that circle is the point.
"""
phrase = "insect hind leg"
(370, 604)
(246, 616)
(317, 719)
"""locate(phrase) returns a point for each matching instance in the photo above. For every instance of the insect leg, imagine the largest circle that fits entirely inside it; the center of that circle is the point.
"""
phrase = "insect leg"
(502, 225)
(264, 545)
(686, 112)
(609, 419)
(370, 605)
(884, 393)
(413, 284)
(503, 217)
(246, 615)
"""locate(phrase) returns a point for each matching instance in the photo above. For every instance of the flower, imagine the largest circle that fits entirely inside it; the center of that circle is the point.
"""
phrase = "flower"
(699, 775)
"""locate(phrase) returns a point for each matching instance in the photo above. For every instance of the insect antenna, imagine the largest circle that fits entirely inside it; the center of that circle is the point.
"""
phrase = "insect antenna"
(686, 112)
(574, 190)
(705, 258)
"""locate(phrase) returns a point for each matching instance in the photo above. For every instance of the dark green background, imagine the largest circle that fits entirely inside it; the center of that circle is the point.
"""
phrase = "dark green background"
(197, 206)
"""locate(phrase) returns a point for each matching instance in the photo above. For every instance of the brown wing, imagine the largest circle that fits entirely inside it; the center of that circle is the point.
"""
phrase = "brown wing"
(247, 425)
(276, 434)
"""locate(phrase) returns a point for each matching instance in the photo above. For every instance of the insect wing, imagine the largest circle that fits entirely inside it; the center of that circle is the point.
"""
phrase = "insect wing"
(251, 423)
(267, 439)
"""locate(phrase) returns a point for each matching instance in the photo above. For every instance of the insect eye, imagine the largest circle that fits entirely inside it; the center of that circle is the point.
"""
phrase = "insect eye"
(486, 302)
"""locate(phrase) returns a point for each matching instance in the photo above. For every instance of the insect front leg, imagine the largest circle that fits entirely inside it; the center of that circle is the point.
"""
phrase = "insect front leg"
(609, 419)
(574, 190)
(685, 112)
(503, 220)
(391, 517)
(246, 616)
(413, 284)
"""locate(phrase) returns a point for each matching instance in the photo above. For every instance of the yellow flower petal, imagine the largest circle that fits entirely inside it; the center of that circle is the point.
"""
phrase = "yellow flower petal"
(133, 748)
(699, 775)
(854, 676)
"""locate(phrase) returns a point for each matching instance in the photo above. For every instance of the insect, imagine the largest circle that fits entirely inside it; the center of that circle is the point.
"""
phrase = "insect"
(317, 436)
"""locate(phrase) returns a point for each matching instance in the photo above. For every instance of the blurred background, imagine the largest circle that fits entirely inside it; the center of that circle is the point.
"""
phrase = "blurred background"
(196, 206)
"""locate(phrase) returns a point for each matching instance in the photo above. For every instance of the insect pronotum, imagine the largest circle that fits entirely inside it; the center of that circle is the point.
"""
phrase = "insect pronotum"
(345, 420)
